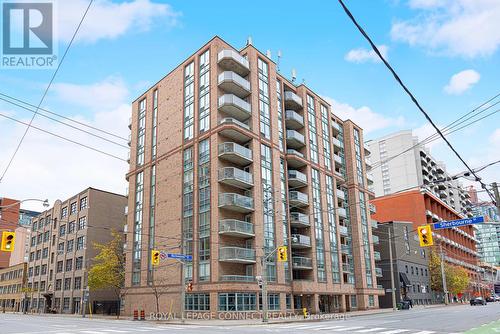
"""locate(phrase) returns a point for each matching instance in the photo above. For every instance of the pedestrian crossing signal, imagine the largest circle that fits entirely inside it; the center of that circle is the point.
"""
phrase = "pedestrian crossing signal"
(282, 254)
(155, 257)
(8, 240)
(425, 236)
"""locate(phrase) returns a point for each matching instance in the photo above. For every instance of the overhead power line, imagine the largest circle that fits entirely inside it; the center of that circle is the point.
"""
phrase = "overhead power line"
(412, 97)
(46, 91)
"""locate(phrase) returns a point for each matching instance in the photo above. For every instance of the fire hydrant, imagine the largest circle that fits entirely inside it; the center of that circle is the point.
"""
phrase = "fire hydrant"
(304, 311)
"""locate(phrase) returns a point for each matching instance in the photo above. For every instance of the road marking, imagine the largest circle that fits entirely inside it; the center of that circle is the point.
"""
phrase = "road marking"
(325, 328)
(371, 330)
(426, 332)
(91, 332)
(115, 331)
(347, 329)
(395, 331)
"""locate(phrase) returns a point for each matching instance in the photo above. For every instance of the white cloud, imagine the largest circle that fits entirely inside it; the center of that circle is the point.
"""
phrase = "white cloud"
(363, 55)
(108, 20)
(49, 167)
(462, 81)
(426, 131)
(363, 116)
(98, 96)
(467, 28)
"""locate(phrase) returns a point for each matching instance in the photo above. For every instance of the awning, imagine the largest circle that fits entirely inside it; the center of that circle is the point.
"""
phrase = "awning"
(403, 278)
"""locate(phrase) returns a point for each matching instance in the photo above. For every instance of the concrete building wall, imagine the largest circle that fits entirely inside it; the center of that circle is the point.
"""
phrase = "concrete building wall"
(21, 248)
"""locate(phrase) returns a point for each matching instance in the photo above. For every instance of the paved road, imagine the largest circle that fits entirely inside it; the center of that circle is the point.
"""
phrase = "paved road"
(453, 319)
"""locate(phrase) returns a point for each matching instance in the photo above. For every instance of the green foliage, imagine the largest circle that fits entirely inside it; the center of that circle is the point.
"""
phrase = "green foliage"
(108, 270)
(457, 279)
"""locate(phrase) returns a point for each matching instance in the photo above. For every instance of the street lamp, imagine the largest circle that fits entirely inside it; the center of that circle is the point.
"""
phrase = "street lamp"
(45, 202)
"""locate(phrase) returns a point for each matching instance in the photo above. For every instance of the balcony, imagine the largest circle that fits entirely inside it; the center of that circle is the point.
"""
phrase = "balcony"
(344, 231)
(232, 83)
(375, 239)
(130, 123)
(348, 267)
(376, 256)
(236, 228)
(232, 133)
(336, 128)
(339, 161)
(337, 144)
(298, 219)
(298, 199)
(292, 101)
(369, 178)
(296, 179)
(235, 107)
(373, 208)
(300, 262)
(235, 153)
(294, 139)
(300, 241)
(346, 249)
(236, 202)
(232, 61)
(237, 278)
(294, 158)
(340, 195)
(378, 272)
(374, 224)
(235, 177)
(293, 120)
(368, 163)
(236, 255)
(342, 212)
(367, 149)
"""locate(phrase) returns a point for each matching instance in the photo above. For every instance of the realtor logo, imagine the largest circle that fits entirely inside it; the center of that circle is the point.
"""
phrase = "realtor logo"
(28, 34)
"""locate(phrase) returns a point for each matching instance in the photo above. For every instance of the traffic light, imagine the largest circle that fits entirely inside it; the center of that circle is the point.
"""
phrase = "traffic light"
(282, 254)
(155, 257)
(8, 240)
(425, 236)
(189, 287)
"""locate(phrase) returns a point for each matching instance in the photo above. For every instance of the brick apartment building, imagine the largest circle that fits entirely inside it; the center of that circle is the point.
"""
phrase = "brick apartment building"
(230, 159)
(423, 207)
(61, 250)
(9, 219)
(12, 282)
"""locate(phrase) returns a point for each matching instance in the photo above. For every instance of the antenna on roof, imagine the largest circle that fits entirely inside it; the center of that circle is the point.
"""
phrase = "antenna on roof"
(279, 56)
(294, 75)
(249, 40)
(268, 54)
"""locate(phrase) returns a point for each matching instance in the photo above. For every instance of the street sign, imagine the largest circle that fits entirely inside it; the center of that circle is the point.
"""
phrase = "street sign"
(459, 222)
(388, 290)
(180, 256)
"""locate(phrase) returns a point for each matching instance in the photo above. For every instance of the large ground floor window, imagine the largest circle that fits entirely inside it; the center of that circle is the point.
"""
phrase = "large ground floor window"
(197, 302)
(237, 301)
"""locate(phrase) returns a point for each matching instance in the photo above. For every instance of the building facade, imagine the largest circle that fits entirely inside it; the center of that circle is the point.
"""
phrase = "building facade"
(9, 219)
(410, 264)
(22, 246)
(12, 283)
(488, 235)
(422, 207)
(402, 164)
(61, 248)
(229, 160)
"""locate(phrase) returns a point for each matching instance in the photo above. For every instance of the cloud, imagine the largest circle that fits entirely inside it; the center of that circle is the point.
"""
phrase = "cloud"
(461, 82)
(49, 167)
(363, 55)
(108, 20)
(462, 28)
(363, 116)
(424, 132)
(105, 94)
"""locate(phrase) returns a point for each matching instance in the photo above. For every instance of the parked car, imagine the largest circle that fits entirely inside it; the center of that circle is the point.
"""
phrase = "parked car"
(497, 298)
(490, 299)
(477, 301)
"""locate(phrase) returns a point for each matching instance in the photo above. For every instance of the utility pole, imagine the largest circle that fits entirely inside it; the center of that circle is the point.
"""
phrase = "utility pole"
(497, 195)
(393, 288)
(183, 290)
(264, 289)
(443, 277)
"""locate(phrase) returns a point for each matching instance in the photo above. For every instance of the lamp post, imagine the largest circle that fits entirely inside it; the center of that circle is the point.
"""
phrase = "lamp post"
(45, 202)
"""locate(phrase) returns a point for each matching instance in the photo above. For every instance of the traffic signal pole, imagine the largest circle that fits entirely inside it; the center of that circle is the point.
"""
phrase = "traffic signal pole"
(443, 277)
(393, 288)
(183, 290)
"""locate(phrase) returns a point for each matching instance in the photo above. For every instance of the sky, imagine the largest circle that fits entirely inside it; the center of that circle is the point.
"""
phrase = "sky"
(446, 51)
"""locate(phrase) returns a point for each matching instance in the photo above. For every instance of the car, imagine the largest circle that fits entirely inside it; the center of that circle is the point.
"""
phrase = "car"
(490, 299)
(477, 301)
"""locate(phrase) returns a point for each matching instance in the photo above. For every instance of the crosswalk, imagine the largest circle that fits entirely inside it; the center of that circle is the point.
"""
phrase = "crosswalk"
(345, 328)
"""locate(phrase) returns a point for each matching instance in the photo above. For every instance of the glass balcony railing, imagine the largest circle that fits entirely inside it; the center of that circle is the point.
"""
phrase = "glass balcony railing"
(293, 120)
(292, 100)
(373, 208)
(236, 227)
(342, 212)
(298, 219)
(235, 177)
(294, 152)
(235, 107)
(346, 249)
(347, 267)
(344, 231)
(232, 83)
(235, 153)
(296, 178)
(298, 198)
(375, 239)
(235, 202)
(237, 254)
(233, 61)
(295, 139)
(301, 241)
(300, 262)
(378, 272)
(237, 278)
(376, 256)
(341, 194)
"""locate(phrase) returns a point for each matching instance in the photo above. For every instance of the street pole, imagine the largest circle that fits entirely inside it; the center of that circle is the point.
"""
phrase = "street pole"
(443, 277)
(183, 290)
(264, 289)
(497, 195)
(393, 288)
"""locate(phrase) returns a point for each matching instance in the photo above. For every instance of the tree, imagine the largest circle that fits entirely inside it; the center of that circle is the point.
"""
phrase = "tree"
(159, 287)
(108, 269)
(457, 279)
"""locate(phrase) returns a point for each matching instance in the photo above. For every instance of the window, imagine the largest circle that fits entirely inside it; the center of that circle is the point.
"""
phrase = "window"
(69, 246)
(30, 272)
(71, 227)
(137, 235)
(204, 209)
(318, 226)
(189, 101)
(37, 270)
(204, 93)
(268, 209)
(406, 267)
(39, 238)
(82, 223)
(141, 132)
(42, 286)
(313, 138)
(46, 236)
(69, 264)
(38, 254)
(79, 263)
(238, 301)
(265, 118)
(59, 266)
(354, 301)
(80, 242)
(33, 241)
(32, 256)
(62, 230)
(78, 283)
(60, 247)
(67, 283)
(371, 300)
(72, 209)
(412, 272)
(66, 303)
(64, 212)
(44, 269)
(197, 302)
(58, 284)
(155, 121)
(83, 203)
(273, 301)
(45, 253)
